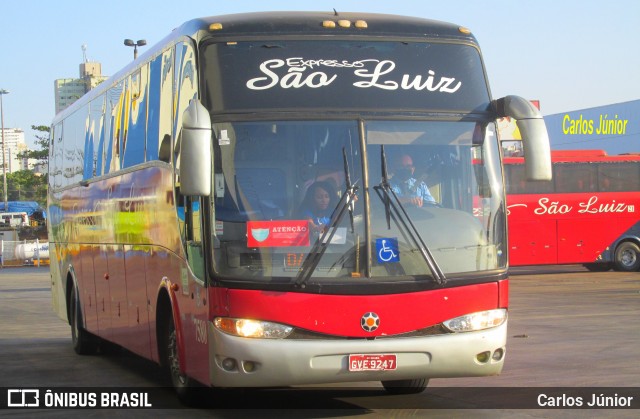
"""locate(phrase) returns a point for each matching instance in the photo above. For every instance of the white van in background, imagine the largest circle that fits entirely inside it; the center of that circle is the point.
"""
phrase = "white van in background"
(14, 219)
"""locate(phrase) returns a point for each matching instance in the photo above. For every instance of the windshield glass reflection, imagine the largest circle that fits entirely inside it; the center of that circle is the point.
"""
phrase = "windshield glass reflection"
(290, 196)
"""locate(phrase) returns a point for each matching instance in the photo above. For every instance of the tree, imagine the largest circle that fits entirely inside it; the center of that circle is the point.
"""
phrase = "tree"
(42, 141)
(25, 185)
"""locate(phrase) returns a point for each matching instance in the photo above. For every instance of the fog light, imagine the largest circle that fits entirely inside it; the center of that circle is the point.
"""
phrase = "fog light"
(229, 364)
(249, 366)
(498, 354)
(483, 357)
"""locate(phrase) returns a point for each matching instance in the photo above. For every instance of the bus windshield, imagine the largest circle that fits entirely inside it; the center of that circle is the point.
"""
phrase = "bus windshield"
(278, 189)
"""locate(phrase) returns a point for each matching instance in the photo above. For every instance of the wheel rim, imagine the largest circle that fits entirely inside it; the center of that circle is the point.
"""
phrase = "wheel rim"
(628, 257)
(174, 360)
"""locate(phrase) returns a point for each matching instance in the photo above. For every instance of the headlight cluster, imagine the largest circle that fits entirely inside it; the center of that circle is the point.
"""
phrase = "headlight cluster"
(477, 321)
(247, 328)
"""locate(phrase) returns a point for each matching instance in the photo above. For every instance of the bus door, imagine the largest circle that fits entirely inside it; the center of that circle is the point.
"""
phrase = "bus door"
(193, 297)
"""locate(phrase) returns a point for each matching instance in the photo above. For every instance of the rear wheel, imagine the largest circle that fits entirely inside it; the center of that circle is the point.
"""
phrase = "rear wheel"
(84, 343)
(627, 257)
(405, 386)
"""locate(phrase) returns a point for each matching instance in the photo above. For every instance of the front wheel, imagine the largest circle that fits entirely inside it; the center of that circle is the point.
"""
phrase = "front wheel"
(627, 257)
(184, 386)
(405, 386)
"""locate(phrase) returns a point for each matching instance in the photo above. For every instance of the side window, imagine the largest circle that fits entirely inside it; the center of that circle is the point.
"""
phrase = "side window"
(514, 177)
(160, 113)
(575, 177)
(75, 133)
(125, 108)
(94, 146)
(185, 90)
(619, 177)
(186, 85)
(518, 184)
(57, 149)
(113, 133)
(134, 146)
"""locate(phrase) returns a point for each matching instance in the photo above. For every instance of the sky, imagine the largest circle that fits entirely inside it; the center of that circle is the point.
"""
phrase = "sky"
(568, 54)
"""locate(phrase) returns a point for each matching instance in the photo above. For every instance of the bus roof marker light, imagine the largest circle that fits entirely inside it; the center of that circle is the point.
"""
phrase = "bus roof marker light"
(361, 24)
(343, 23)
(329, 24)
(215, 27)
(464, 30)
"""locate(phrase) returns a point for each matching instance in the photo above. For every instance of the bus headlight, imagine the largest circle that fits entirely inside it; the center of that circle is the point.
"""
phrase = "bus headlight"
(477, 321)
(247, 328)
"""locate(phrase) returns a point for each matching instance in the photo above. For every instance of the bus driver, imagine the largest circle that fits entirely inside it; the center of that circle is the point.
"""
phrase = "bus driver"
(406, 187)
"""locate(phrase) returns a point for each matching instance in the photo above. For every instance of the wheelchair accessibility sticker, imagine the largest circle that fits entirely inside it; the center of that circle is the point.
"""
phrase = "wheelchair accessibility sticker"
(387, 250)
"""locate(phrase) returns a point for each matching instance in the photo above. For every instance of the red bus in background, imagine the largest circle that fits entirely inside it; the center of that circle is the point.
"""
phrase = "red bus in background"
(588, 214)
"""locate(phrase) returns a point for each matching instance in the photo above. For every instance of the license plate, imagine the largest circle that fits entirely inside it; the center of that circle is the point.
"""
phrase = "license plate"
(372, 362)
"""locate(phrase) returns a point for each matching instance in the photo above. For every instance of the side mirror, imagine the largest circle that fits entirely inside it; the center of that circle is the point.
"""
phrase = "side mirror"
(195, 151)
(535, 140)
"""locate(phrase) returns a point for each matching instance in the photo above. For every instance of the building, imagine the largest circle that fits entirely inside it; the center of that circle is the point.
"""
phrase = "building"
(613, 128)
(68, 91)
(14, 144)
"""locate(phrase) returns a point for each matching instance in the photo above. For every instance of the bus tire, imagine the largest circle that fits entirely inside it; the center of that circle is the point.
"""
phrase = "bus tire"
(84, 343)
(184, 386)
(405, 386)
(627, 257)
(597, 267)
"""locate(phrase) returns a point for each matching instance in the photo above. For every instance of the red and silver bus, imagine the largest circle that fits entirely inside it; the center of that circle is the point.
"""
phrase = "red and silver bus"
(175, 190)
(589, 214)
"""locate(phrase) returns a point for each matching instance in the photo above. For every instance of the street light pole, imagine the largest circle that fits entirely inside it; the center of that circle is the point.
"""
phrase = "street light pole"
(4, 162)
(135, 45)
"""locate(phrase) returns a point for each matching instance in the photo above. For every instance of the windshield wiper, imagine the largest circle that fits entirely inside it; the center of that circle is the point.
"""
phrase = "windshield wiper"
(349, 186)
(317, 251)
(401, 218)
(386, 186)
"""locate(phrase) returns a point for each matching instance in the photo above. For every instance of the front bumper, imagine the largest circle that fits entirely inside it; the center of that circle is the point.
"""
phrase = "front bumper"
(245, 362)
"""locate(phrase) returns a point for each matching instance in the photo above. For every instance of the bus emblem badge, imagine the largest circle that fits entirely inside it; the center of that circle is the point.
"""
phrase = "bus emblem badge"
(370, 321)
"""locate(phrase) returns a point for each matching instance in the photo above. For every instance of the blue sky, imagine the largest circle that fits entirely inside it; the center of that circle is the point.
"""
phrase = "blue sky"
(569, 54)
